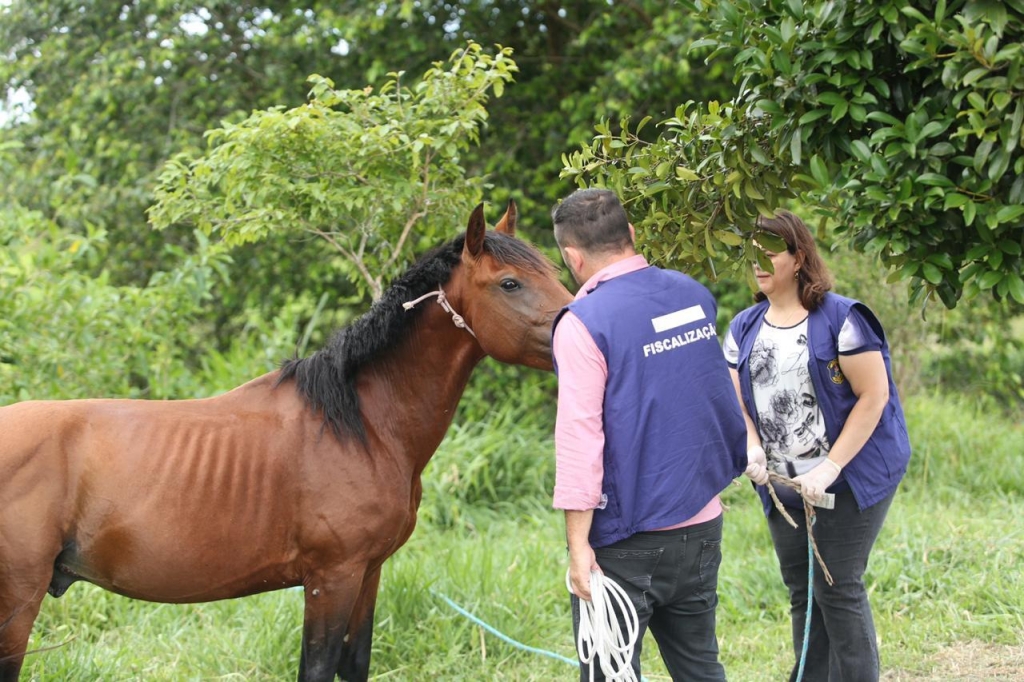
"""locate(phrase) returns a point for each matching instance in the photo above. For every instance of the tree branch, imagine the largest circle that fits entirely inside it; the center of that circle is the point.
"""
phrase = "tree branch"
(374, 283)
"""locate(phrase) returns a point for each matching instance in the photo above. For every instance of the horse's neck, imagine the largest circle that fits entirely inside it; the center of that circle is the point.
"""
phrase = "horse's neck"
(409, 397)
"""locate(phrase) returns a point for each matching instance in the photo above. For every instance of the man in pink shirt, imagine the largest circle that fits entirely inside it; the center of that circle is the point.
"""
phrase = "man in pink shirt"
(648, 432)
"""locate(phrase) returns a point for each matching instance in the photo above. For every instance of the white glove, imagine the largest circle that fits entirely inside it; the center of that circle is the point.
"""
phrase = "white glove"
(815, 481)
(757, 465)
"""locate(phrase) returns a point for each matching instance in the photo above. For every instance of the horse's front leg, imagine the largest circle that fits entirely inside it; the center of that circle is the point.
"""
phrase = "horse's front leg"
(330, 598)
(15, 629)
(27, 554)
(355, 656)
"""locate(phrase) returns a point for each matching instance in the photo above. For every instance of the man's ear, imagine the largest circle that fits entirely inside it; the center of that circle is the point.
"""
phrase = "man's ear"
(573, 258)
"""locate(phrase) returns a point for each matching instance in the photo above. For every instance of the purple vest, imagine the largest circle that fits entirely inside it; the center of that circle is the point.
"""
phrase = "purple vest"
(879, 467)
(674, 433)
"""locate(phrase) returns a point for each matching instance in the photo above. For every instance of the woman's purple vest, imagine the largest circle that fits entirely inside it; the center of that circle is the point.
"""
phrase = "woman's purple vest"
(674, 433)
(877, 469)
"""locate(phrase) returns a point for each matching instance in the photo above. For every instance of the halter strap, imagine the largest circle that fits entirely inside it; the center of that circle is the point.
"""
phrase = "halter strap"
(442, 300)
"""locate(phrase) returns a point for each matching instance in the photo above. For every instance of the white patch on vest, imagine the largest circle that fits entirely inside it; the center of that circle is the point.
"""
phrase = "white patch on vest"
(708, 331)
(677, 319)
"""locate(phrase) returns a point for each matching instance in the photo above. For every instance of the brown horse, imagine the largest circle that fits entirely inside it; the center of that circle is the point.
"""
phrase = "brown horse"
(309, 475)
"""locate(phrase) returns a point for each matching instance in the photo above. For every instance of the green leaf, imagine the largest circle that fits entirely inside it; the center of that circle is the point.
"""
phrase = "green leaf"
(812, 116)
(1010, 247)
(861, 150)
(941, 259)
(981, 155)
(936, 180)
(954, 200)
(969, 209)
(931, 129)
(974, 75)
(999, 164)
(839, 111)
(931, 273)
(990, 279)
(686, 175)
(831, 98)
(1015, 286)
(727, 237)
(820, 171)
(1018, 119)
(977, 252)
(769, 107)
(1008, 214)
(883, 117)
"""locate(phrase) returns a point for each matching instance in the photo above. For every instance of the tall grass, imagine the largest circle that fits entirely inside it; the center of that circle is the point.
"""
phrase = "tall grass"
(945, 576)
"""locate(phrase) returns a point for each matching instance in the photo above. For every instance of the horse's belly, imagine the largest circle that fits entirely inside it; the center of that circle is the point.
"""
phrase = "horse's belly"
(189, 546)
(194, 567)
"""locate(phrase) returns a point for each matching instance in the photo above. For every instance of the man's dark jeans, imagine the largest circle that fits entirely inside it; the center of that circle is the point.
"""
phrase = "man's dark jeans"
(671, 576)
(842, 645)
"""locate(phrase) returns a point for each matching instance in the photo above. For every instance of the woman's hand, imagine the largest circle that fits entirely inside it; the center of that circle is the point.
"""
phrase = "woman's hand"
(814, 483)
(757, 465)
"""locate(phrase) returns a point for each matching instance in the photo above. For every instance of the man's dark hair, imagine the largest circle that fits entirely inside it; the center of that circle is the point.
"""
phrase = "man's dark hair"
(591, 220)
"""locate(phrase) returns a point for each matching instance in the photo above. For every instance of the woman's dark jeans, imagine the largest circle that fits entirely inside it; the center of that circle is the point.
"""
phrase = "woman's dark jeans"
(671, 577)
(842, 645)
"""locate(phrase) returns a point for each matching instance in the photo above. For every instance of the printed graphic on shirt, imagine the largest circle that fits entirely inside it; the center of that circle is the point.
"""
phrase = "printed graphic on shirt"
(791, 423)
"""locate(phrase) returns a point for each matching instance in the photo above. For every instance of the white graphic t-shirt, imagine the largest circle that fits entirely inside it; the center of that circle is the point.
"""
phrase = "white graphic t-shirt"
(789, 417)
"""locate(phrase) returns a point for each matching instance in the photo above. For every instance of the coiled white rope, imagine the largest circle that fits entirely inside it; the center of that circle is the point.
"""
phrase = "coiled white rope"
(600, 634)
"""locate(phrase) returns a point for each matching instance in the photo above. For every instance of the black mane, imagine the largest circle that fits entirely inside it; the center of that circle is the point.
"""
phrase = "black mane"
(326, 379)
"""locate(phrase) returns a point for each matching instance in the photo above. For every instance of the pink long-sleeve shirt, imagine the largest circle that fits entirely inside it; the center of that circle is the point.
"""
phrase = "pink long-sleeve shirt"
(579, 426)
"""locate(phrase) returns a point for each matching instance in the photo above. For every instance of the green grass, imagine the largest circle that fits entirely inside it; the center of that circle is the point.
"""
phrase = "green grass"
(945, 576)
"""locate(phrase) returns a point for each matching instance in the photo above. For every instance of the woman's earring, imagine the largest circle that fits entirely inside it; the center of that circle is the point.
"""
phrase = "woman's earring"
(796, 275)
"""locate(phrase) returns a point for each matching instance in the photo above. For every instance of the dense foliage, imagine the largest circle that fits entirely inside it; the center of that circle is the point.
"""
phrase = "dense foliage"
(120, 99)
(900, 122)
(117, 88)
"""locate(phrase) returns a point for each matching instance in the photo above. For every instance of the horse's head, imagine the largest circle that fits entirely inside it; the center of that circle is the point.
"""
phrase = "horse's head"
(509, 292)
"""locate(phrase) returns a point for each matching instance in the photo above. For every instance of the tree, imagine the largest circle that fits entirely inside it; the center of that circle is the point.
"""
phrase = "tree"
(902, 123)
(64, 333)
(374, 173)
(67, 330)
(118, 88)
(577, 61)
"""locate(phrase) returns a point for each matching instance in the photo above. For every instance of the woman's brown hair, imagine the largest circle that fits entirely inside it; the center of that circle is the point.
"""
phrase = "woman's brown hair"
(813, 277)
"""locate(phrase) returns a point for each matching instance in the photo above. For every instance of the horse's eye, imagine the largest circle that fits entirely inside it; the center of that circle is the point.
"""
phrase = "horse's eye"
(509, 284)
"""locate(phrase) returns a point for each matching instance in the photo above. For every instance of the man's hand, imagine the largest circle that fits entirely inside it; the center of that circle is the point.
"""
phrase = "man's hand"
(757, 465)
(581, 563)
(815, 481)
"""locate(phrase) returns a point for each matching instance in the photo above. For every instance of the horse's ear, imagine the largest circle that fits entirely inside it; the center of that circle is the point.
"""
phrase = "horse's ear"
(507, 224)
(475, 233)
